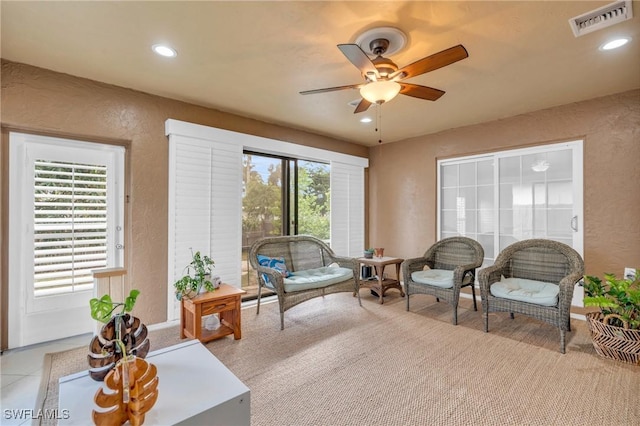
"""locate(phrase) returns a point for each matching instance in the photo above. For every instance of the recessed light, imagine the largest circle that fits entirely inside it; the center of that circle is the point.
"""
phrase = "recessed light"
(164, 50)
(365, 120)
(614, 44)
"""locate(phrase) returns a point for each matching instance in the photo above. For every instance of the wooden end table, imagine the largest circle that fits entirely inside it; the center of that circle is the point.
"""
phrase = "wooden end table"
(224, 301)
(381, 285)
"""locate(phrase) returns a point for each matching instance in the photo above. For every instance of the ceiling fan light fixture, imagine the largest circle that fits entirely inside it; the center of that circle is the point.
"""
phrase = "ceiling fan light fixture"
(380, 91)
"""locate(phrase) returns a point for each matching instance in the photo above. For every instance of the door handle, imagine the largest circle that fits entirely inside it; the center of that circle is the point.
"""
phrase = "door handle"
(574, 223)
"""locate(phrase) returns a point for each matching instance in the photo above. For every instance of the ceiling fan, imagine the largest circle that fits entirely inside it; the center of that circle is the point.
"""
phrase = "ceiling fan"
(383, 79)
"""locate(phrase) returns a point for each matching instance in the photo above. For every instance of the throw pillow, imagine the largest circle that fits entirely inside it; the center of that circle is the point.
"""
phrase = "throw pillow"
(276, 263)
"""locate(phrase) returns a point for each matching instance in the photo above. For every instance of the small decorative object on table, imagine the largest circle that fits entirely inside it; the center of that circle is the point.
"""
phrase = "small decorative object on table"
(615, 330)
(379, 251)
(123, 333)
(368, 253)
(197, 278)
(135, 385)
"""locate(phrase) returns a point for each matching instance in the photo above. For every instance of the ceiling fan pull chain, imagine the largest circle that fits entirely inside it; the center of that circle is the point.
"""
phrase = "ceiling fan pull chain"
(379, 121)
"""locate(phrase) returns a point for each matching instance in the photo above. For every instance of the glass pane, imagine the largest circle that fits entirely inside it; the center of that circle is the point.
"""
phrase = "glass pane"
(506, 196)
(467, 224)
(485, 172)
(534, 167)
(449, 221)
(540, 223)
(560, 194)
(539, 195)
(261, 207)
(313, 199)
(449, 175)
(485, 197)
(560, 164)
(467, 174)
(522, 195)
(506, 221)
(559, 223)
(449, 198)
(509, 170)
(485, 221)
(467, 198)
(486, 241)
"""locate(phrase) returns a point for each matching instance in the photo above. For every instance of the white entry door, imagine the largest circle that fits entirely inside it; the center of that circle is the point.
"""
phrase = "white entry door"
(66, 219)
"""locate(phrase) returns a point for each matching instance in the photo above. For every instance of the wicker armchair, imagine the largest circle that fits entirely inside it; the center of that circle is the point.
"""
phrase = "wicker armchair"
(540, 260)
(461, 255)
(300, 253)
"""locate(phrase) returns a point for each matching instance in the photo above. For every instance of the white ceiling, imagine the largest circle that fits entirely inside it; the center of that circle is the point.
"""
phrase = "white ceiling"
(252, 58)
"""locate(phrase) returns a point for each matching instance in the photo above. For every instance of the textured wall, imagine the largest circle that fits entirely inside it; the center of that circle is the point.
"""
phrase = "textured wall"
(43, 101)
(402, 207)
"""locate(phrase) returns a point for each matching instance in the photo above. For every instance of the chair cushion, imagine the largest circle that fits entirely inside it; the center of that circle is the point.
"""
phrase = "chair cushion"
(276, 263)
(523, 290)
(316, 278)
(435, 277)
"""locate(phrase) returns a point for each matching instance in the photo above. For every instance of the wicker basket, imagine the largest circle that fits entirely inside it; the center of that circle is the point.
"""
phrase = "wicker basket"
(619, 343)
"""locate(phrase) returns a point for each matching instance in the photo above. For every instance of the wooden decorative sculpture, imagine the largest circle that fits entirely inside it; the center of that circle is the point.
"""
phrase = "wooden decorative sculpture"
(104, 351)
(135, 385)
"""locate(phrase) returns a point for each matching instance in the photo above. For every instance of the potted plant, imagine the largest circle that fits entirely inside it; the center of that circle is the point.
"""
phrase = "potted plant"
(122, 334)
(197, 277)
(368, 253)
(615, 329)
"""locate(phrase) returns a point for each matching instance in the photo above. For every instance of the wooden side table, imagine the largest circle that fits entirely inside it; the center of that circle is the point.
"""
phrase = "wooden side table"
(224, 301)
(381, 285)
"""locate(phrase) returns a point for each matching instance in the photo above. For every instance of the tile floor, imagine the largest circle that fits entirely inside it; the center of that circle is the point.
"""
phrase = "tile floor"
(21, 372)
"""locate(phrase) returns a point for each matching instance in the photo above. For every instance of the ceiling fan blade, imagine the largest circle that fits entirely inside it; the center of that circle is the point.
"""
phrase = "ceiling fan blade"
(433, 62)
(421, 92)
(332, 89)
(357, 57)
(362, 106)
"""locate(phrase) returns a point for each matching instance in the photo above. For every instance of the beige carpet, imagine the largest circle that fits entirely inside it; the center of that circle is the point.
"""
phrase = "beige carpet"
(340, 364)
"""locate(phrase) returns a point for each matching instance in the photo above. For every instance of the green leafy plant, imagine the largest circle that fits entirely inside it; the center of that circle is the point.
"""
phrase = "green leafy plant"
(615, 296)
(196, 276)
(102, 309)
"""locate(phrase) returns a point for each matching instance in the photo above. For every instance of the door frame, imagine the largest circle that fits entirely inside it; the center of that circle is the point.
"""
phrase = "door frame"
(20, 320)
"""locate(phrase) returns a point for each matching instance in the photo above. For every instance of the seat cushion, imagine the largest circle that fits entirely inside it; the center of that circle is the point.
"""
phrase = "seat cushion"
(435, 277)
(523, 290)
(316, 278)
(276, 263)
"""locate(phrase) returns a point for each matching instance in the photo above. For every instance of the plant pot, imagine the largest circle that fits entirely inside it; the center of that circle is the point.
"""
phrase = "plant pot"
(368, 254)
(617, 343)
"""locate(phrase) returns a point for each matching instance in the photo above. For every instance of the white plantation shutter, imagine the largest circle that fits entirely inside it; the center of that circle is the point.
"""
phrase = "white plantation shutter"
(347, 209)
(205, 197)
(205, 190)
(70, 226)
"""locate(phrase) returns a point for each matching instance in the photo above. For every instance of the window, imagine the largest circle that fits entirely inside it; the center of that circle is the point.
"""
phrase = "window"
(70, 226)
(206, 173)
(498, 199)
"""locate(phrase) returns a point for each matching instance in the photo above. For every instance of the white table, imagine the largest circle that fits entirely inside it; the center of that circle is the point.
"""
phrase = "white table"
(194, 388)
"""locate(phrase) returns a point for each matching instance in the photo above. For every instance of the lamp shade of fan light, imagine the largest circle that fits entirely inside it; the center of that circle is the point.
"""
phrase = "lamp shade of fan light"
(380, 91)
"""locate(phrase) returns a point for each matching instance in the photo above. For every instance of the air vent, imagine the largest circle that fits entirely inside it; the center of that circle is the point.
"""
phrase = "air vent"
(601, 18)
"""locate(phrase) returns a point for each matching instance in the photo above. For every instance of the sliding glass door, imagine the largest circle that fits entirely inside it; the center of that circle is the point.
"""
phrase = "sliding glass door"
(282, 196)
(504, 197)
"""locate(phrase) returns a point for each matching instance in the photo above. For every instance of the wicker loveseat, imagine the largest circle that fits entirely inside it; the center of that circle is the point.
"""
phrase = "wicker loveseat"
(299, 268)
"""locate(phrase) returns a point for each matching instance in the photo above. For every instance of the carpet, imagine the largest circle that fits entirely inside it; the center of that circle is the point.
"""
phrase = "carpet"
(337, 363)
